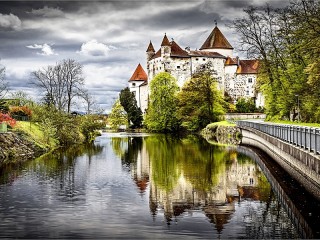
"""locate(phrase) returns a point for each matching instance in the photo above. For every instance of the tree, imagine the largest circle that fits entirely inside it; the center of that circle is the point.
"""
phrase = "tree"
(161, 114)
(129, 103)
(200, 102)
(245, 105)
(281, 40)
(90, 103)
(23, 98)
(3, 84)
(118, 116)
(60, 83)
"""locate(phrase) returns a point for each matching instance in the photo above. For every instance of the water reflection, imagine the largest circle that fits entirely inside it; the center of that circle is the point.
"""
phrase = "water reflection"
(132, 186)
(189, 175)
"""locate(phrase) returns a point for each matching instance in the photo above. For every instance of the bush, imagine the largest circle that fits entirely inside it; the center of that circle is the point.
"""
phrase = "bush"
(6, 118)
(21, 111)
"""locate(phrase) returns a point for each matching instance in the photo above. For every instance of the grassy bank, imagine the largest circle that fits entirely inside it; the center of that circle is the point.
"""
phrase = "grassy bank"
(33, 133)
(295, 123)
(222, 123)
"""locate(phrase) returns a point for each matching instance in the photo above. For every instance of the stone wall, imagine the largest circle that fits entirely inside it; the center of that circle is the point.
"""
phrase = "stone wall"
(16, 147)
(302, 165)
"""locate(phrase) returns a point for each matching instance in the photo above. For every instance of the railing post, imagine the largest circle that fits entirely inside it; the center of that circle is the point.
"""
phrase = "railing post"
(315, 141)
(310, 142)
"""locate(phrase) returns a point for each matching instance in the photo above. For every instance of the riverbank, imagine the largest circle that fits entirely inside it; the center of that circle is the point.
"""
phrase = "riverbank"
(16, 147)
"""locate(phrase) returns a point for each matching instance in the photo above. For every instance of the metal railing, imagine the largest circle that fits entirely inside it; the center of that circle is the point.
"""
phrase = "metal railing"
(304, 137)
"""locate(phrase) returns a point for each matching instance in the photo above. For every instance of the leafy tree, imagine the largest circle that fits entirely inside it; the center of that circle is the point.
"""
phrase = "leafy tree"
(129, 103)
(118, 116)
(200, 102)
(161, 115)
(287, 42)
(245, 105)
(89, 124)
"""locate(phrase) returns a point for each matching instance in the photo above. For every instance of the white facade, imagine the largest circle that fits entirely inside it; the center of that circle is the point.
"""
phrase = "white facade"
(234, 76)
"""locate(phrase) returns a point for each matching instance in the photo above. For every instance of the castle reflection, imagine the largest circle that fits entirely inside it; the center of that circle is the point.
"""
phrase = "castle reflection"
(182, 177)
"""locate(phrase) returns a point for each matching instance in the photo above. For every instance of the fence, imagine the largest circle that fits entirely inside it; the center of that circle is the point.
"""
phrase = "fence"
(304, 137)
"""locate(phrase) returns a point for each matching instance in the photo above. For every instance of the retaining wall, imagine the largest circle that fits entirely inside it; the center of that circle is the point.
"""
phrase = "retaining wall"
(303, 165)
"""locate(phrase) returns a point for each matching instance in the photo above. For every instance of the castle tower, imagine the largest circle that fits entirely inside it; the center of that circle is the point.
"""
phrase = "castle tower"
(150, 51)
(165, 47)
(217, 42)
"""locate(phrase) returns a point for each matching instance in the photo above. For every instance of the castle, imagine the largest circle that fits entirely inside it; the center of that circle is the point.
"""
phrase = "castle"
(235, 77)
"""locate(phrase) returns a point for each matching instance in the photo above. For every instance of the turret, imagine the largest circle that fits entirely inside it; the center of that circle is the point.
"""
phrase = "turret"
(150, 51)
(165, 47)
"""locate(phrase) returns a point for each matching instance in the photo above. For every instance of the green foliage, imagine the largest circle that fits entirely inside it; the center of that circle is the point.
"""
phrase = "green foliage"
(287, 42)
(89, 124)
(65, 128)
(129, 103)
(200, 101)
(161, 115)
(118, 116)
(244, 105)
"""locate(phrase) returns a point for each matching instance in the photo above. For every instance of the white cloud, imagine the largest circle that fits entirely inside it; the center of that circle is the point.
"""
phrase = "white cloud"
(48, 12)
(46, 50)
(94, 48)
(10, 21)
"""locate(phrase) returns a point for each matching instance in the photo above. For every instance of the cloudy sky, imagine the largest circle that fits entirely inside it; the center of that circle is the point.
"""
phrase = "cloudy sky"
(109, 38)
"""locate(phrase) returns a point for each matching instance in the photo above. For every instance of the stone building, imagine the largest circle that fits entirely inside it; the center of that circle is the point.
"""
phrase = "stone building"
(236, 77)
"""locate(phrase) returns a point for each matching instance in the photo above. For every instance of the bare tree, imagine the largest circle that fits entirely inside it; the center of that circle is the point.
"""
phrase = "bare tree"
(3, 84)
(60, 83)
(90, 103)
(72, 72)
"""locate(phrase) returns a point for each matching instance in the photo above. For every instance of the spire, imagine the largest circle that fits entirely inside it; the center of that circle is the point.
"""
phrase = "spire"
(150, 48)
(165, 41)
(216, 40)
(139, 74)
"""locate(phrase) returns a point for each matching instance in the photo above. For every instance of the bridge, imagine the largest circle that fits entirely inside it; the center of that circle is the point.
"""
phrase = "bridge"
(296, 149)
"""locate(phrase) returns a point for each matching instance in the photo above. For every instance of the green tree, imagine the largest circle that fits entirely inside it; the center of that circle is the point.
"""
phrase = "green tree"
(118, 116)
(287, 42)
(200, 101)
(161, 115)
(245, 105)
(129, 103)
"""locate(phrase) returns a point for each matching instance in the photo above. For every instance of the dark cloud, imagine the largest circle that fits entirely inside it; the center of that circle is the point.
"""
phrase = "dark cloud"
(126, 25)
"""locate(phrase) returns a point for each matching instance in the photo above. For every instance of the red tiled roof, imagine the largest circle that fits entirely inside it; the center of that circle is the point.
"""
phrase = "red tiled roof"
(139, 74)
(158, 54)
(150, 48)
(248, 67)
(165, 41)
(231, 61)
(205, 54)
(216, 40)
(177, 51)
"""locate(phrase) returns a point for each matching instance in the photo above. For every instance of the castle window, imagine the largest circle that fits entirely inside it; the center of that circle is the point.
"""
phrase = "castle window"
(134, 93)
(249, 80)
(247, 93)
(133, 84)
(197, 59)
(203, 59)
(178, 67)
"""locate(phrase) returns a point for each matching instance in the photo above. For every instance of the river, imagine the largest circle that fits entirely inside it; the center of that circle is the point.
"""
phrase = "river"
(147, 186)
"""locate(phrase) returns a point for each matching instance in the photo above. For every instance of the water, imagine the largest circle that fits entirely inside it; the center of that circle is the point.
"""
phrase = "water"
(140, 186)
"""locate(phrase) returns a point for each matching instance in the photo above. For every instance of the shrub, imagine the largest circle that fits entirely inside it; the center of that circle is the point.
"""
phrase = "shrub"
(22, 111)
(6, 118)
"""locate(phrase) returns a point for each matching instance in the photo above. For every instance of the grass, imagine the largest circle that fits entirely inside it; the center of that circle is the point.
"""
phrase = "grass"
(296, 123)
(34, 134)
(222, 123)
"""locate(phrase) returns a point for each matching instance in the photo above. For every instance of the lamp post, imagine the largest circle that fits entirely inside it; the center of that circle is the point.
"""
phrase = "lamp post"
(297, 95)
